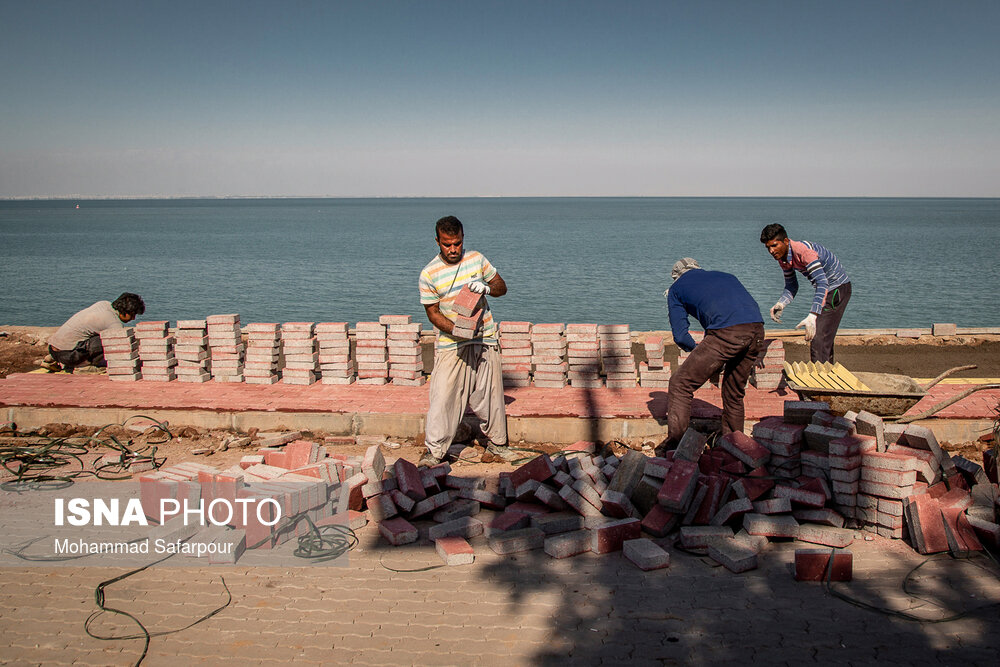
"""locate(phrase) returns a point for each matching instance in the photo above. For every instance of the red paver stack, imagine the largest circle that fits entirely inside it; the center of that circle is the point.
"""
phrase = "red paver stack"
(225, 345)
(515, 353)
(299, 477)
(548, 348)
(406, 359)
(298, 347)
(784, 441)
(371, 353)
(771, 374)
(263, 349)
(122, 354)
(156, 351)
(469, 312)
(583, 354)
(335, 363)
(191, 350)
(616, 355)
(654, 372)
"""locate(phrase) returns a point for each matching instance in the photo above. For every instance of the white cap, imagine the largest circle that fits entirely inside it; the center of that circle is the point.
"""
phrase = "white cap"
(682, 266)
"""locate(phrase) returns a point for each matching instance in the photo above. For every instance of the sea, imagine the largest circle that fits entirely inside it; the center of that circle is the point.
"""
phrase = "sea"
(912, 262)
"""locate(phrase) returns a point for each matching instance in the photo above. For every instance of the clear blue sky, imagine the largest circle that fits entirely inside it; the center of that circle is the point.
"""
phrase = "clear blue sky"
(428, 98)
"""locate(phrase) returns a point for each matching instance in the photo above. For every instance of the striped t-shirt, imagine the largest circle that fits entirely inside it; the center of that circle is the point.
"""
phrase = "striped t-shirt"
(440, 283)
(816, 263)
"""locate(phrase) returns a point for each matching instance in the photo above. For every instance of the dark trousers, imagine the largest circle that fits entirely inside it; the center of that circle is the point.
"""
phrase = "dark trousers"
(89, 350)
(734, 350)
(821, 347)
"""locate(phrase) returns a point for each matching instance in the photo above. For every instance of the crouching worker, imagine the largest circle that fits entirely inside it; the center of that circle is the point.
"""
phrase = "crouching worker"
(734, 333)
(466, 368)
(78, 341)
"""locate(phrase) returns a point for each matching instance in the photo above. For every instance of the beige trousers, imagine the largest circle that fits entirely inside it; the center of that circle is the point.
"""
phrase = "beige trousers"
(469, 376)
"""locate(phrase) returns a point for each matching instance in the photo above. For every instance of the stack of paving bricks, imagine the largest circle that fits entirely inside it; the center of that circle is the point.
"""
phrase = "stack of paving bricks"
(406, 359)
(301, 477)
(469, 313)
(583, 355)
(515, 353)
(548, 350)
(335, 365)
(771, 373)
(156, 351)
(616, 355)
(225, 345)
(298, 347)
(371, 353)
(654, 372)
(191, 350)
(121, 353)
(263, 350)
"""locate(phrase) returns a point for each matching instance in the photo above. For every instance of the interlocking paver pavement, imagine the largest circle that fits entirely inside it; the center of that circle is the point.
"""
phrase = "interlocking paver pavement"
(526, 609)
(96, 391)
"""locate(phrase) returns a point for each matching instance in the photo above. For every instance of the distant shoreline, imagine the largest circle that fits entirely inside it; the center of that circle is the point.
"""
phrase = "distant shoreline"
(101, 198)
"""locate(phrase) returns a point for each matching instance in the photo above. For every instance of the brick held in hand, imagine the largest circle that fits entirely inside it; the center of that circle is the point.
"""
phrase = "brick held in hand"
(467, 302)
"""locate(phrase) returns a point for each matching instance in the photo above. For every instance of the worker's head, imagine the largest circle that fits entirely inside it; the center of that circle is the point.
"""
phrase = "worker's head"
(128, 306)
(775, 240)
(682, 266)
(449, 236)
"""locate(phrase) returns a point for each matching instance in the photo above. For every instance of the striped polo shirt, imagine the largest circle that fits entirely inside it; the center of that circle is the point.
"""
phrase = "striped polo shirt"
(816, 263)
(440, 283)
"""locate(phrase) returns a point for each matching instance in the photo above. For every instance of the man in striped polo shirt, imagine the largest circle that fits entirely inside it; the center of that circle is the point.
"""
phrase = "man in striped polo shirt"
(466, 370)
(823, 269)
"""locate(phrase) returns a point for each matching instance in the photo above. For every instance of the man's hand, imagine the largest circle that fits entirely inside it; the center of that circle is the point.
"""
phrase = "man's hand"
(810, 324)
(776, 311)
(479, 287)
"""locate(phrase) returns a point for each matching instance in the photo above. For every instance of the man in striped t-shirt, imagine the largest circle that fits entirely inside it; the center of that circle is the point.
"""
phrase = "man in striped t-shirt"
(466, 370)
(823, 269)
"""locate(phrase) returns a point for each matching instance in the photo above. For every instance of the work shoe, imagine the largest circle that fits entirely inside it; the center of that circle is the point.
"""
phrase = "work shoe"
(502, 451)
(428, 460)
(50, 364)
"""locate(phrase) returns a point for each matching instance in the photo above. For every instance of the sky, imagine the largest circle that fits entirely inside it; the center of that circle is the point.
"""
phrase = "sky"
(478, 98)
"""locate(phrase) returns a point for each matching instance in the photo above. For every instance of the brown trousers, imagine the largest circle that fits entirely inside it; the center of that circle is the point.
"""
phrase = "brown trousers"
(734, 350)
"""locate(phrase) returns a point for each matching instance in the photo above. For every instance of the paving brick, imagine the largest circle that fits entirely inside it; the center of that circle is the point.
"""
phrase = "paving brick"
(659, 522)
(801, 412)
(408, 479)
(645, 554)
(691, 446)
(891, 477)
(456, 509)
(568, 544)
(557, 522)
(465, 526)
(884, 490)
(678, 486)
(488, 500)
(432, 503)
(744, 448)
(926, 524)
(816, 565)
(773, 506)
(732, 511)
(539, 469)
(699, 537)
(454, 551)
(871, 425)
(752, 487)
(381, 507)
(778, 525)
(826, 535)
(733, 556)
(516, 541)
(398, 531)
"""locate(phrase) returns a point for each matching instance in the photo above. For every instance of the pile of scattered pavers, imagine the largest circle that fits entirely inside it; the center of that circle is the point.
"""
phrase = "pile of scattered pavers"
(806, 476)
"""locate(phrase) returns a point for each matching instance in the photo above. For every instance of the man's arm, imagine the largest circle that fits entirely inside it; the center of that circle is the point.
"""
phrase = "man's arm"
(438, 319)
(497, 286)
(679, 325)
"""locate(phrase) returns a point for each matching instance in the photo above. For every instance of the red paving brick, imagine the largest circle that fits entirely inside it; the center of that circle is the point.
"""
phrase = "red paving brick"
(97, 391)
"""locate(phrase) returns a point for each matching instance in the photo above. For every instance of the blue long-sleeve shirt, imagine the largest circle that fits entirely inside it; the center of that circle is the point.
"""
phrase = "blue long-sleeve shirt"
(716, 299)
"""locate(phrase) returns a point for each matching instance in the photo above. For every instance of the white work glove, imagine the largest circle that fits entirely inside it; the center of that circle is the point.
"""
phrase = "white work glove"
(810, 324)
(776, 311)
(479, 287)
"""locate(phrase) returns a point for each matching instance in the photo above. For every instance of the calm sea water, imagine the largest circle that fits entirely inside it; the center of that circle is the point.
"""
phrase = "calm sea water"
(912, 261)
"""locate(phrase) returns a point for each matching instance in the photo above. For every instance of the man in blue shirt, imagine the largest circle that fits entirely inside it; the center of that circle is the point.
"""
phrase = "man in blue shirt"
(734, 332)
